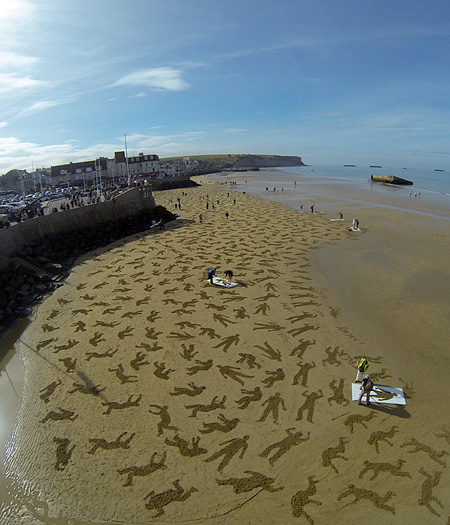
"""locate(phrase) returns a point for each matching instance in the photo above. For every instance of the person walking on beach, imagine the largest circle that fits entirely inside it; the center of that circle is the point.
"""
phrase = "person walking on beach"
(211, 274)
(312, 208)
(362, 366)
(227, 215)
(366, 388)
(200, 218)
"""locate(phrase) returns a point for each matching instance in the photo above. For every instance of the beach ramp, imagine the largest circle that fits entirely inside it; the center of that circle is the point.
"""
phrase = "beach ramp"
(381, 394)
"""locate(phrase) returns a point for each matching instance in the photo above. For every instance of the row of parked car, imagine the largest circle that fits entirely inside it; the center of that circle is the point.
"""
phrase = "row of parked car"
(16, 202)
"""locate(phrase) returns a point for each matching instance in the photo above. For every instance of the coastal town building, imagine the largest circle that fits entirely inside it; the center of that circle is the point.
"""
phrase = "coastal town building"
(22, 181)
(84, 174)
(136, 167)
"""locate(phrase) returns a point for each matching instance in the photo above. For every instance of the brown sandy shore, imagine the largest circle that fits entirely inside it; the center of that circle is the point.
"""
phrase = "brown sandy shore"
(153, 396)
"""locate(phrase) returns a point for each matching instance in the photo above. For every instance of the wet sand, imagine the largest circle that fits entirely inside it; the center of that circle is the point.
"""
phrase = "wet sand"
(152, 395)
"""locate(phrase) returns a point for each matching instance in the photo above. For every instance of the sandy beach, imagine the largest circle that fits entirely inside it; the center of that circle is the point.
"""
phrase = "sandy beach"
(153, 396)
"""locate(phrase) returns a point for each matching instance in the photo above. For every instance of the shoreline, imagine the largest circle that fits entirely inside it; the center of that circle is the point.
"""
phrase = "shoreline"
(243, 238)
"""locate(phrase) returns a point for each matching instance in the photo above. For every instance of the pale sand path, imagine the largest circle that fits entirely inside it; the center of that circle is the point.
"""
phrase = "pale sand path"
(146, 301)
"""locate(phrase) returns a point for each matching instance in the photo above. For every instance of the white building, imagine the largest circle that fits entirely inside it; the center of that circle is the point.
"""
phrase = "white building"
(138, 167)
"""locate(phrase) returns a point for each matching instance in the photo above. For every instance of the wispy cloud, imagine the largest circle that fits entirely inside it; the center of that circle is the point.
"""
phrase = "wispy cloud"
(165, 78)
(40, 106)
(14, 60)
(10, 82)
(22, 154)
(3, 124)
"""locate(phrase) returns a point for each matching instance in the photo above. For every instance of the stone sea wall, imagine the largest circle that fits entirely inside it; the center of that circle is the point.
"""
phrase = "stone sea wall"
(52, 243)
(126, 204)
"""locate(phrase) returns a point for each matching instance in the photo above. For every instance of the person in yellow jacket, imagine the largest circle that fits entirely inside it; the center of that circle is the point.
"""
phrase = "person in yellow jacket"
(363, 365)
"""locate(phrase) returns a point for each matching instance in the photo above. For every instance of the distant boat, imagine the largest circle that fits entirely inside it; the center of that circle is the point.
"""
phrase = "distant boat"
(349, 165)
(439, 170)
(376, 166)
(391, 179)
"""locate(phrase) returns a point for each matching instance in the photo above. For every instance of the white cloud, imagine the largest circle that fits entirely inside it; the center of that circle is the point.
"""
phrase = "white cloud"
(165, 78)
(8, 59)
(3, 124)
(10, 82)
(41, 106)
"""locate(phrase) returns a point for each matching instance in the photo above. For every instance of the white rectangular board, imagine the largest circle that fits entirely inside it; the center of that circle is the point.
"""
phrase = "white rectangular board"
(380, 394)
(218, 281)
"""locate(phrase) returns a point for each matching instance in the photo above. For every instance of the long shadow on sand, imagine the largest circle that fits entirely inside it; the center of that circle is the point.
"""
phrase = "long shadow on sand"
(392, 410)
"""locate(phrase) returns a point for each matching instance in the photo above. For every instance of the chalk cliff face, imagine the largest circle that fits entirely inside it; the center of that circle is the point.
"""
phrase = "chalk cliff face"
(273, 161)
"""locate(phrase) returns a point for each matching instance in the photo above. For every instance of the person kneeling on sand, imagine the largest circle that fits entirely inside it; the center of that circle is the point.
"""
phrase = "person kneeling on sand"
(228, 275)
(366, 388)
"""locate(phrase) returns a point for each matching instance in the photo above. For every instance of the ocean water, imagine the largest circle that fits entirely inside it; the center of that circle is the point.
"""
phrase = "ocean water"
(332, 187)
(423, 180)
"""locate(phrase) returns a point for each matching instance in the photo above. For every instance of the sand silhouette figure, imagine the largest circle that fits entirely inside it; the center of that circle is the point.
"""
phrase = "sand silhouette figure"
(49, 390)
(375, 498)
(427, 497)
(121, 376)
(250, 396)
(302, 498)
(376, 468)
(332, 358)
(231, 448)
(223, 425)
(63, 452)
(63, 414)
(269, 351)
(93, 390)
(334, 453)
(115, 405)
(157, 501)
(214, 405)
(353, 419)
(98, 355)
(139, 361)
(233, 372)
(302, 373)
(338, 393)
(273, 404)
(200, 366)
(186, 448)
(192, 390)
(165, 419)
(254, 480)
(283, 446)
(300, 349)
(146, 470)
(381, 435)
(420, 447)
(248, 359)
(309, 405)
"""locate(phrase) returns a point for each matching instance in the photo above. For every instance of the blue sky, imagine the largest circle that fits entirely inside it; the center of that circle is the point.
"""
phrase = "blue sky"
(334, 81)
